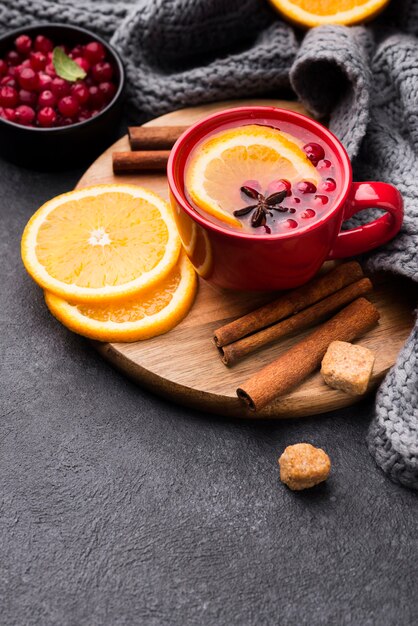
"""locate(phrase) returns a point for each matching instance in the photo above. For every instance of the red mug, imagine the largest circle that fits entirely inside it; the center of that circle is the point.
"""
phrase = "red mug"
(235, 260)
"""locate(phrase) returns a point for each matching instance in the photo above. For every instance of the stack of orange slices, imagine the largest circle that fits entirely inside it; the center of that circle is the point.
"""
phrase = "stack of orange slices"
(110, 262)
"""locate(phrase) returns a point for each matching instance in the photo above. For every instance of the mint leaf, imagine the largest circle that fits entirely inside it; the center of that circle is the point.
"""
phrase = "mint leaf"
(65, 67)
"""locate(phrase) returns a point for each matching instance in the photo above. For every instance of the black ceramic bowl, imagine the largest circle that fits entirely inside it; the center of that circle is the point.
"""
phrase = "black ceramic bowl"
(65, 146)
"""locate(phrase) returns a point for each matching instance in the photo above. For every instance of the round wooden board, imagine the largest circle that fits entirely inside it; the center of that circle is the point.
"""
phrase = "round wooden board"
(183, 365)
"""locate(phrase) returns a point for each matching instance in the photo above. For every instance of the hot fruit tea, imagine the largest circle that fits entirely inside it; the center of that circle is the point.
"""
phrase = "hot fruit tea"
(259, 179)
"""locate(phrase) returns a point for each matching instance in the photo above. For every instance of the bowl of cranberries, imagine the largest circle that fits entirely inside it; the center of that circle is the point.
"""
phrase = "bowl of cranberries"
(61, 92)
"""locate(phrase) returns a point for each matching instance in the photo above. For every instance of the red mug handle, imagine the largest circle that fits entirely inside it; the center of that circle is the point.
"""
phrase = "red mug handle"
(369, 195)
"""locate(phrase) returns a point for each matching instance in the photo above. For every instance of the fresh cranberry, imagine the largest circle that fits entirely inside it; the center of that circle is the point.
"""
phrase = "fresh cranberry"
(46, 99)
(102, 72)
(325, 164)
(307, 214)
(50, 70)
(65, 121)
(279, 185)
(328, 185)
(24, 115)
(3, 67)
(8, 97)
(108, 90)
(306, 187)
(46, 117)
(25, 63)
(9, 81)
(94, 52)
(13, 58)
(27, 97)
(77, 51)
(314, 152)
(37, 61)
(84, 115)
(9, 114)
(60, 87)
(44, 82)
(23, 44)
(43, 44)
(83, 63)
(28, 79)
(68, 106)
(320, 199)
(81, 92)
(96, 98)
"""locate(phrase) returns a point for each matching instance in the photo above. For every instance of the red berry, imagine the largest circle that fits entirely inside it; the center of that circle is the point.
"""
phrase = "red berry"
(320, 199)
(25, 63)
(328, 185)
(50, 70)
(47, 117)
(27, 97)
(84, 115)
(94, 52)
(68, 106)
(314, 152)
(24, 115)
(81, 92)
(28, 79)
(44, 82)
(10, 114)
(43, 44)
(9, 81)
(306, 187)
(308, 213)
(290, 224)
(60, 87)
(77, 51)
(83, 63)
(8, 97)
(37, 61)
(102, 72)
(96, 97)
(108, 90)
(13, 58)
(23, 44)
(3, 67)
(325, 164)
(46, 99)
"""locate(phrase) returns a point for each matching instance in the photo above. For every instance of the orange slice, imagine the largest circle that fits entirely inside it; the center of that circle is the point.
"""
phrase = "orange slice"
(154, 312)
(101, 243)
(316, 12)
(224, 162)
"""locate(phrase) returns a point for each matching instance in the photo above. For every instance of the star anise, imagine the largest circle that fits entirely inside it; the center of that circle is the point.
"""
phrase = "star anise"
(264, 206)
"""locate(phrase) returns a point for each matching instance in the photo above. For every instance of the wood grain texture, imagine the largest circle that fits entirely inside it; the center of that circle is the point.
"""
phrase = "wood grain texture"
(184, 365)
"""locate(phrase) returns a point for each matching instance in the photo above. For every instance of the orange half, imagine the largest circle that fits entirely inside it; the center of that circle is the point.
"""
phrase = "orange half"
(312, 13)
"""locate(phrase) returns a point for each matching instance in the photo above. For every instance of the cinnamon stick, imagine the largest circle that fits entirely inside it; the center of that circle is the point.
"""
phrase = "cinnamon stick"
(126, 162)
(302, 359)
(154, 137)
(233, 352)
(290, 303)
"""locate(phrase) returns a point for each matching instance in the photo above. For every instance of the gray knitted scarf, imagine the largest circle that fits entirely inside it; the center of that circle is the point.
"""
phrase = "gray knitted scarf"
(186, 52)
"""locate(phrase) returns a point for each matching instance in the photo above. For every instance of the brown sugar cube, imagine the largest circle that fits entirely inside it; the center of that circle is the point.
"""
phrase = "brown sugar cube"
(347, 367)
(303, 466)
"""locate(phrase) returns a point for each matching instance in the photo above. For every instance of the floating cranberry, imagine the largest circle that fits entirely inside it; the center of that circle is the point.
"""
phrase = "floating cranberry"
(102, 72)
(47, 99)
(308, 214)
(81, 92)
(94, 52)
(3, 67)
(328, 185)
(325, 164)
(60, 87)
(46, 117)
(44, 82)
(290, 224)
(108, 90)
(8, 97)
(43, 44)
(27, 97)
(295, 200)
(96, 98)
(292, 210)
(37, 61)
(83, 63)
(306, 187)
(314, 152)
(13, 58)
(24, 115)
(279, 185)
(9, 81)
(23, 44)
(68, 106)
(28, 79)
(320, 199)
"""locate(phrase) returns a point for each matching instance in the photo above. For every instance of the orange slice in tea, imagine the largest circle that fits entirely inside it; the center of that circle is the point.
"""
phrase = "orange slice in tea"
(101, 243)
(316, 12)
(223, 163)
(153, 312)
